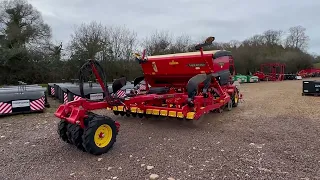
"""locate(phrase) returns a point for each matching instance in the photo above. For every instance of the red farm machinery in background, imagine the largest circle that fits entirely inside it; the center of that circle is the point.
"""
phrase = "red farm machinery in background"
(184, 85)
(271, 72)
(311, 72)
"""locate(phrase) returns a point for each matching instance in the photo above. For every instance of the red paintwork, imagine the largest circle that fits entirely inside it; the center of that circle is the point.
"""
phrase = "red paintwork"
(75, 112)
(98, 77)
(176, 76)
(308, 72)
(260, 75)
(273, 74)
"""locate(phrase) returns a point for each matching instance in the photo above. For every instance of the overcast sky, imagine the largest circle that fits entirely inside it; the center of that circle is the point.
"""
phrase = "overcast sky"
(225, 19)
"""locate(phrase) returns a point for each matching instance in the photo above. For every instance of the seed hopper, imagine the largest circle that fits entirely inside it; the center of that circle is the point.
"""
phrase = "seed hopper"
(184, 85)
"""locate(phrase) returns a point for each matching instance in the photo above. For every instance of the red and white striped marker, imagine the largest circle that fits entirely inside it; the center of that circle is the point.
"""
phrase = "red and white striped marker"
(37, 105)
(142, 87)
(5, 108)
(52, 91)
(121, 94)
(76, 97)
(65, 97)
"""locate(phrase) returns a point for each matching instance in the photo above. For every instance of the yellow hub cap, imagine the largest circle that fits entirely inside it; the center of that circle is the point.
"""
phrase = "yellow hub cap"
(236, 98)
(103, 135)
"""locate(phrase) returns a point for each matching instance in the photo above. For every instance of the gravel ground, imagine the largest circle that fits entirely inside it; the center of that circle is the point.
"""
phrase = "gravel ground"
(273, 134)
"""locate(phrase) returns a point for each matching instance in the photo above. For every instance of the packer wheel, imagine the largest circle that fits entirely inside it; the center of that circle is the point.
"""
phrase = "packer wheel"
(116, 113)
(219, 110)
(134, 114)
(76, 133)
(148, 116)
(100, 135)
(68, 133)
(229, 105)
(62, 131)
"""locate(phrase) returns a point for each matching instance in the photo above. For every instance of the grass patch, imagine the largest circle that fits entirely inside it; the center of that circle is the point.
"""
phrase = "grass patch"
(43, 85)
(317, 65)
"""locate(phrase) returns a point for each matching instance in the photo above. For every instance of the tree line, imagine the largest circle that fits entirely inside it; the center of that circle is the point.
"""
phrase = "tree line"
(27, 51)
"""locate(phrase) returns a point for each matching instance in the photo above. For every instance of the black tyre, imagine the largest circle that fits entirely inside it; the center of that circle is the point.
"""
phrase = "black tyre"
(62, 131)
(69, 133)
(219, 110)
(229, 105)
(100, 135)
(235, 98)
(91, 115)
(76, 133)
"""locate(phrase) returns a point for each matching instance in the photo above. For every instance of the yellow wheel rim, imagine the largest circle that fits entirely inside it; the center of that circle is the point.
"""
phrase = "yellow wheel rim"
(236, 98)
(103, 136)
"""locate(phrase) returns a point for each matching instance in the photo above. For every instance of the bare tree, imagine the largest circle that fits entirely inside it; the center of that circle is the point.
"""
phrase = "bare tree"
(297, 38)
(253, 41)
(272, 37)
(122, 42)
(88, 40)
(182, 44)
(158, 43)
(234, 43)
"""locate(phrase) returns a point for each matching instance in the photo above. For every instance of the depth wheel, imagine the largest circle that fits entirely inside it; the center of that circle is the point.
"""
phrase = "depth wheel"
(62, 131)
(116, 113)
(100, 135)
(235, 99)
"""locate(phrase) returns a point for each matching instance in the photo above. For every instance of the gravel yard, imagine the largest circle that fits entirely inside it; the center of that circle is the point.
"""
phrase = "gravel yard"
(273, 134)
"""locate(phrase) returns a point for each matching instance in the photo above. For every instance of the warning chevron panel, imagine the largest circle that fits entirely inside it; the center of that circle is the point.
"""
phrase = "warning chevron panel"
(5, 108)
(37, 105)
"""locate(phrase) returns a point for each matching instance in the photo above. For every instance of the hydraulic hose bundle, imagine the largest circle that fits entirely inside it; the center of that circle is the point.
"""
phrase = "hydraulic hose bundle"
(96, 69)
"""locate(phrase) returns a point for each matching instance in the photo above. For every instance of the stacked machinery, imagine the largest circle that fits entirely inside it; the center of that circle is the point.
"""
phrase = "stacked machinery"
(275, 72)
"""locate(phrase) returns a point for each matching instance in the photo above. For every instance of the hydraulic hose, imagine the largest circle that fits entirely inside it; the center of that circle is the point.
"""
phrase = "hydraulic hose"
(99, 75)
(88, 66)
